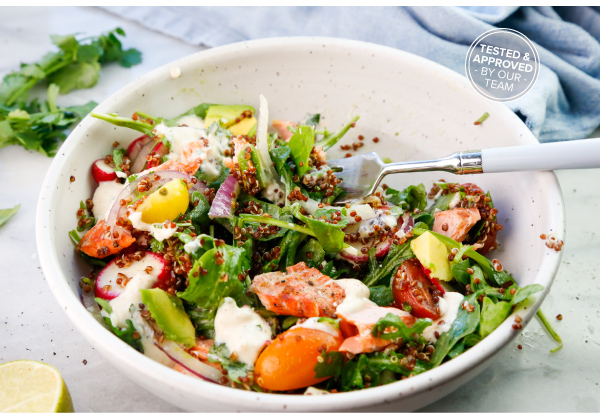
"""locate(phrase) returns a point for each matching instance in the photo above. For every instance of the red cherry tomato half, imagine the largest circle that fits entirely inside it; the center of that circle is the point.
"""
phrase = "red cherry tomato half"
(412, 286)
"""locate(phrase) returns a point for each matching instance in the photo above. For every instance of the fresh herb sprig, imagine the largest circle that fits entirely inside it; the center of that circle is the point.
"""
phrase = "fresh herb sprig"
(76, 65)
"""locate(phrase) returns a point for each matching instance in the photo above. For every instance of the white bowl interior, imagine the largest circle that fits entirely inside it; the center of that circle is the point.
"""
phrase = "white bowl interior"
(416, 108)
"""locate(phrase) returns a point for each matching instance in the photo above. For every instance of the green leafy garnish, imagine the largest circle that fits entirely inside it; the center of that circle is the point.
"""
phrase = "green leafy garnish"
(235, 368)
(6, 214)
(399, 329)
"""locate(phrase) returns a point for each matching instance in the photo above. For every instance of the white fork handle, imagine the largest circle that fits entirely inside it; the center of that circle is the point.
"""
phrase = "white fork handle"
(577, 154)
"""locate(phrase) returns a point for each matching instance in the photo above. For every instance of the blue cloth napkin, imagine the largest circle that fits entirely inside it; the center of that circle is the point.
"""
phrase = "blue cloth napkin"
(563, 105)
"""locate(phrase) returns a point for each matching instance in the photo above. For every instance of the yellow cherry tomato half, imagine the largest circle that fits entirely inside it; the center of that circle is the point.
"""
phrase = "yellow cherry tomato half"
(289, 361)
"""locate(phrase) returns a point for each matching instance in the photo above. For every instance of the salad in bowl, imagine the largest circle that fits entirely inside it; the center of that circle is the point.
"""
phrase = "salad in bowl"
(219, 250)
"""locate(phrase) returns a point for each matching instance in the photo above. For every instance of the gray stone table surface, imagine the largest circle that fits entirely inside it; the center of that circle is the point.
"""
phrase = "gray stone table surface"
(32, 326)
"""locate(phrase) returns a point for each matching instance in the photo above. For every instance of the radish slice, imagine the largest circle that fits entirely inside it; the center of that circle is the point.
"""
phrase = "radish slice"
(112, 280)
(355, 255)
(189, 363)
(131, 191)
(136, 146)
(102, 172)
(221, 205)
(159, 150)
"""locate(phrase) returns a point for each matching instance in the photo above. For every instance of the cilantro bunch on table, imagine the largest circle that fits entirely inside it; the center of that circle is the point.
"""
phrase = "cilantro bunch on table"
(41, 126)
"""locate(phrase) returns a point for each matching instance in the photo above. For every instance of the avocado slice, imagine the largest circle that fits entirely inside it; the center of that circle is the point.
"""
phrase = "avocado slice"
(245, 127)
(167, 310)
(225, 115)
(433, 255)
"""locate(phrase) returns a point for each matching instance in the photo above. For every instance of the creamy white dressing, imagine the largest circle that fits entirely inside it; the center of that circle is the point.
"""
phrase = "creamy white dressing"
(131, 296)
(157, 230)
(105, 195)
(314, 324)
(243, 331)
(353, 288)
(190, 130)
(192, 246)
(449, 305)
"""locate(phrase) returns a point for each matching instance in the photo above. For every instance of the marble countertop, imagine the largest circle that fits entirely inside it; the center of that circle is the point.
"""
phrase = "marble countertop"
(32, 326)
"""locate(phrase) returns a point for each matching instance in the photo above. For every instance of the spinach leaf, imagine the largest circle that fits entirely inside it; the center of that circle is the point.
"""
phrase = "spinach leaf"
(395, 257)
(424, 217)
(459, 272)
(215, 276)
(492, 315)
(411, 198)
(401, 329)
(381, 295)
(6, 214)
(465, 323)
(311, 253)
(199, 213)
(523, 292)
(331, 365)
(301, 144)
(313, 120)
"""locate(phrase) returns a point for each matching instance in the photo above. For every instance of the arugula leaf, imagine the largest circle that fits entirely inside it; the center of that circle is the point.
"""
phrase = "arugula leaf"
(401, 329)
(330, 139)
(381, 295)
(465, 323)
(235, 368)
(459, 272)
(301, 144)
(6, 214)
(118, 155)
(411, 198)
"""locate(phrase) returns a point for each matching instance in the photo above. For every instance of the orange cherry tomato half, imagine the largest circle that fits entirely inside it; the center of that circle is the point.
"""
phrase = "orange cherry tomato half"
(288, 362)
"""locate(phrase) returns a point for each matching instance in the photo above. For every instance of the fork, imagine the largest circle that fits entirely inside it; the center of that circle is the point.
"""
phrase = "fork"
(361, 175)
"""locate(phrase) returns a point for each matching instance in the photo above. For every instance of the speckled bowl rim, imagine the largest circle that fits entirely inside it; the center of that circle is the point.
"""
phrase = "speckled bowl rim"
(127, 357)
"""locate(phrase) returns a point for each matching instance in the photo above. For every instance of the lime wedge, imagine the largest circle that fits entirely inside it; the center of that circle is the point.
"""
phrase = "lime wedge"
(29, 386)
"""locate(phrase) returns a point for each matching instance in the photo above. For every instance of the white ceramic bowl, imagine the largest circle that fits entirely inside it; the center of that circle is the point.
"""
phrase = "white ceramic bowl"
(417, 108)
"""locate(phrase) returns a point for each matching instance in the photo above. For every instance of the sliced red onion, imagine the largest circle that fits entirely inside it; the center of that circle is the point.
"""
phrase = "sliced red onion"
(156, 180)
(191, 364)
(140, 161)
(408, 223)
(221, 205)
(136, 146)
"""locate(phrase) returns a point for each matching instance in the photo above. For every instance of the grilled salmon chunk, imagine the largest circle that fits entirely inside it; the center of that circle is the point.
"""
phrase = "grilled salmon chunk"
(301, 292)
(456, 223)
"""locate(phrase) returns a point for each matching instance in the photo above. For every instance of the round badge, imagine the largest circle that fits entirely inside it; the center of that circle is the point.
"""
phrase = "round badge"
(502, 65)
